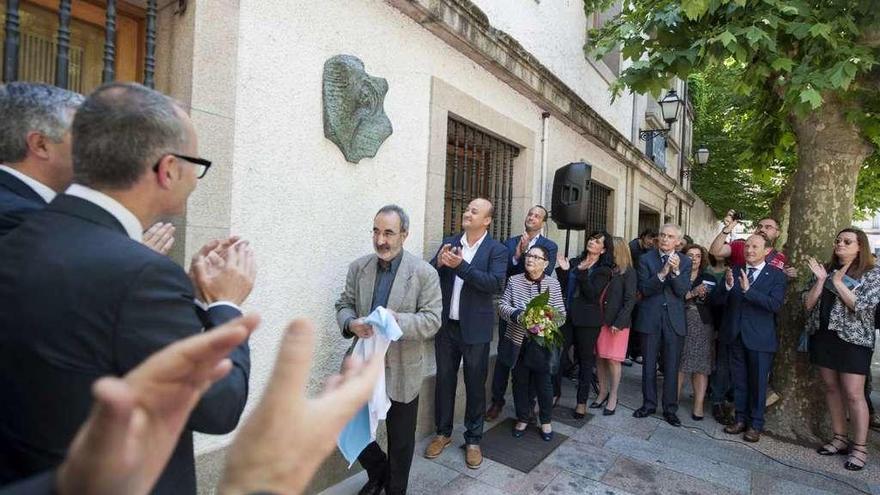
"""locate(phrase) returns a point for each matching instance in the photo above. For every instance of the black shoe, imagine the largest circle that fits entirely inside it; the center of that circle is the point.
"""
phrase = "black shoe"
(643, 412)
(627, 362)
(597, 405)
(718, 413)
(373, 487)
(577, 415)
(546, 436)
(609, 412)
(696, 418)
(672, 419)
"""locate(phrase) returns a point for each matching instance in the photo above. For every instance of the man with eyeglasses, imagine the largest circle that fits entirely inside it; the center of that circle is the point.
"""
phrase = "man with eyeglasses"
(516, 246)
(734, 251)
(35, 154)
(81, 297)
(409, 288)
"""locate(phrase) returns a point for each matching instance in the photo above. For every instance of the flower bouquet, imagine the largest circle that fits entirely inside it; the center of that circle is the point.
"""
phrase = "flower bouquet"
(542, 321)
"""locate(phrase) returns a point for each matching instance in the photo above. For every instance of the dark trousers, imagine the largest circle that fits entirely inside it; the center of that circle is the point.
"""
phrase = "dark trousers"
(720, 379)
(633, 346)
(525, 381)
(501, 373)
(750, 371)
(450, 351)
(394, 467)
(670, 343)
(565, 362)
(585, 340)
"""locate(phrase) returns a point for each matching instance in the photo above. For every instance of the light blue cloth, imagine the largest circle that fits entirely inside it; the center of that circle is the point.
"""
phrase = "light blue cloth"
(361, 430)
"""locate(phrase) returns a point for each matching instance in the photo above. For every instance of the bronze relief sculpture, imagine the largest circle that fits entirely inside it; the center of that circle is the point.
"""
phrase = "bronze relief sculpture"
(354, 117)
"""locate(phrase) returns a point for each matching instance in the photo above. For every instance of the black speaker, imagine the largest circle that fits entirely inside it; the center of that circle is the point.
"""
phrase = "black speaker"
(571, 195)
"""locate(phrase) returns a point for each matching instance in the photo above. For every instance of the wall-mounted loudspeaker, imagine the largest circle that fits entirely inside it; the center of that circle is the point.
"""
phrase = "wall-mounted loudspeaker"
(571, 196)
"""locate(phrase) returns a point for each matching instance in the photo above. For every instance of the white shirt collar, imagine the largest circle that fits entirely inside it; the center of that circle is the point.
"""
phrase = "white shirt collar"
(129, 222)
(465, 244)
(43, 190)
(758, 267)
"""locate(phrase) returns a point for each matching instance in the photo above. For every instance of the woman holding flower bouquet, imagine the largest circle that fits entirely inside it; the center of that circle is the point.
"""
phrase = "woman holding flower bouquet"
(532, 305)
(589, 278)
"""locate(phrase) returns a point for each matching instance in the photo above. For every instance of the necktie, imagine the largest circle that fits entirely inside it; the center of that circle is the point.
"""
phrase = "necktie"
(751, 275)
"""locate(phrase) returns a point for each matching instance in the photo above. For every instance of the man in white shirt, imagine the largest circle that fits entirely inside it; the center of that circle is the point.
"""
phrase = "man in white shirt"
(81, 296)
(472, 268)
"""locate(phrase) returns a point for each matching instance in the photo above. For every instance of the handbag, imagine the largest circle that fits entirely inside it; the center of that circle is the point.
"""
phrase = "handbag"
(539, 359)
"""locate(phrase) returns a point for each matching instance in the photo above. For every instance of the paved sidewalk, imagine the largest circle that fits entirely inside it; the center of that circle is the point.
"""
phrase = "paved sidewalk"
(620, 454)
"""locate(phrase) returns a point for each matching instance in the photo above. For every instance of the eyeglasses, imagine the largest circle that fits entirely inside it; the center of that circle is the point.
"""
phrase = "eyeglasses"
(535, 257)
(201, 164)
(766, 226)
(845, 242)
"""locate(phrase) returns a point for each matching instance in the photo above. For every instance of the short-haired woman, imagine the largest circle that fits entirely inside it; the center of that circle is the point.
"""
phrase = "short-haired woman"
(617, 308)
(533, 364)
(841, 302)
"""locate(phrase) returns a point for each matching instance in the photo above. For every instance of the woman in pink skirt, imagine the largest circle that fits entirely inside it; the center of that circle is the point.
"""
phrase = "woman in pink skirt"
(617, 307)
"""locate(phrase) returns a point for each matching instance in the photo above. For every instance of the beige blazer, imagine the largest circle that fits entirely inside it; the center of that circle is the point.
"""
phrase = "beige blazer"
(415, 297)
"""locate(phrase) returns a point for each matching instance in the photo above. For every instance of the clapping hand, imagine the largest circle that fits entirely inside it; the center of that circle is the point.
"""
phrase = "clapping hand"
(744, 281)
(451, 257)
(837, 276)
(523, 244)
(226, 273)
(562, 262)
(674, 262)
(729, 222)
(728, 277)
(160, 237)
(817, 269)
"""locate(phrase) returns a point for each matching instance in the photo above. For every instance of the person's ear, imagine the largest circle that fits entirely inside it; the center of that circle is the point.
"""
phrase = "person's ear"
(167, 170)
(37, 144)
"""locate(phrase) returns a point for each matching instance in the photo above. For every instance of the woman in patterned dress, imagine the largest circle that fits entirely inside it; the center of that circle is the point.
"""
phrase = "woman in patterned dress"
(697, 356)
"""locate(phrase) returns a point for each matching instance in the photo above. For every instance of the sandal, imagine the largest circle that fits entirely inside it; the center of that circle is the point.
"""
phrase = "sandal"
(855, 450)
(832, 448)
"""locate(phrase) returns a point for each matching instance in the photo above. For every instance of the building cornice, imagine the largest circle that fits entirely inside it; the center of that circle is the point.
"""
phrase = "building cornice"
(465, 27)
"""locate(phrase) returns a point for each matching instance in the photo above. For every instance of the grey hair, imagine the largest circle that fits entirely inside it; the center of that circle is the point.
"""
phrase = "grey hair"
(672, 226)
(404, 218)
(28, 107)
(121, 130)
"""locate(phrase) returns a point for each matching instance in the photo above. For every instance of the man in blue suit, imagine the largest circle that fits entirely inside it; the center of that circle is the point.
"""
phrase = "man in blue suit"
(753, 295)
(472, 268)
(516, 246)
(35, 162)
(81, 296)
(664, 279)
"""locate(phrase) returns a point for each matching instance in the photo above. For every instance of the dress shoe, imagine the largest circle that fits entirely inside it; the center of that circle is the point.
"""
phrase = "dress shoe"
(627, 362)
(718, 413)
(473, 456)
(609, 412)
(373, 487)
(696, 418)
(577, 415)
(672, 419)
(493, 411)
(435, 448)
(643, 412)
(752, 435)
(519, 433)
(597, 405)
(547, 436)
(735, 428)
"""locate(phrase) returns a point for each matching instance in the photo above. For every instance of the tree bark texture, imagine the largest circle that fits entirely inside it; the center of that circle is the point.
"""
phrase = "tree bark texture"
(830, 153)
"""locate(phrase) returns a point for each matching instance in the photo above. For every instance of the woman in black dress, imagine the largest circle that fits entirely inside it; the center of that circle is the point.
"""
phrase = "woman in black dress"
(841, 302)
(591, 276)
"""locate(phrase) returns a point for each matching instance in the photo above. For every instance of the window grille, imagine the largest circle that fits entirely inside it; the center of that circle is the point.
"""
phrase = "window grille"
(477, 165)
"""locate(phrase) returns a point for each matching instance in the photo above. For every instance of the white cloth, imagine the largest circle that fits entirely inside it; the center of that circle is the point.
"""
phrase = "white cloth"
(129, 222)
(467, 253)
(43, 190)
(354, 438)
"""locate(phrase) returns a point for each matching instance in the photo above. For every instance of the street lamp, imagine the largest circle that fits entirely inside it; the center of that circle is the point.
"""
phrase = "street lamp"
(702, 156)
(669, 107)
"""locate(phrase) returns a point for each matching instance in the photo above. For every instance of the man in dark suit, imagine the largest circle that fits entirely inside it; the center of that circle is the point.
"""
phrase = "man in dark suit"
(663, 281)
(472, 268)
(516, 246)
(35, 162)
(82, 297)
(753, 295)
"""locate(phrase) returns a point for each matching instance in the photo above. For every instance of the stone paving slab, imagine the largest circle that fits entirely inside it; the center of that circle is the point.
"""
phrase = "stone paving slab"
(764, 483)
(572, 484)
(582, 459)
(649, 479)
(701, 467)
(512, 481)
(465, 485)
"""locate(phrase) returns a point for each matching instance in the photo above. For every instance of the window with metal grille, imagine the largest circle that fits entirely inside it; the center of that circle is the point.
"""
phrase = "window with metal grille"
(656, 150)
(478, 165)
(597, 213)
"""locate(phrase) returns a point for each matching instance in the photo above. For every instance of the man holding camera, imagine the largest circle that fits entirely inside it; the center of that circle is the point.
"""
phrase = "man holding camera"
(735, 250)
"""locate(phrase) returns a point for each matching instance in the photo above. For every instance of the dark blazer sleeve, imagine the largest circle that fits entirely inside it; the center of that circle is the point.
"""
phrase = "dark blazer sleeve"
(649, 283)
(769, 298)
(624, 316)
(491, 280)
(552, 250)
(591, 287)
(39, 484)
(159, 310)
(682, 283)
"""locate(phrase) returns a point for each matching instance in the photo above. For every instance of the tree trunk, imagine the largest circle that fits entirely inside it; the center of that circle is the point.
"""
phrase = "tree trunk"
(780, 210)
(830, 153)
